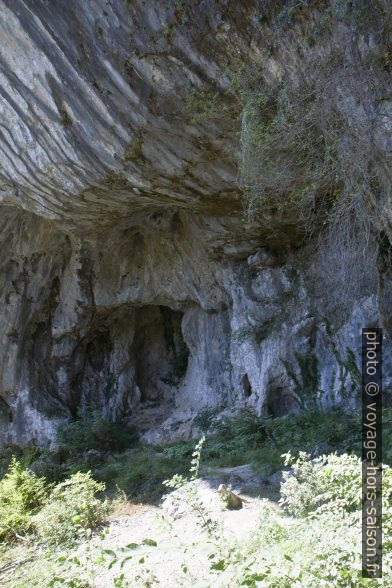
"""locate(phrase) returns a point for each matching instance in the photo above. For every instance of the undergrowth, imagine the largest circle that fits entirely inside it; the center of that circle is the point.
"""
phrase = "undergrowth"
(246, 438)
(313, 546)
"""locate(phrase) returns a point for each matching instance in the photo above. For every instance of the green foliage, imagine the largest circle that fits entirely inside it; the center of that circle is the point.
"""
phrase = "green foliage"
(300, 492)
(26, 456)
(177, 481)
(257, 332)
(123, 555)
(306, 160)
(188, 491)
(72, 507)
(347, 367)
(244, 438)
(203, 105)
(321, 546)
(140, 472)
(248, 438)
(95, 432)
(21, 495)
(306, 431)
(272, 530)
(182, 12)
(329, 483)
(307, 382)
(178, 451)
(206, 420)
(247, 429)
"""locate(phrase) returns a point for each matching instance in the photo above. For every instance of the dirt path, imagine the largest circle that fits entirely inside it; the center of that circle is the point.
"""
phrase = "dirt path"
(172, 548)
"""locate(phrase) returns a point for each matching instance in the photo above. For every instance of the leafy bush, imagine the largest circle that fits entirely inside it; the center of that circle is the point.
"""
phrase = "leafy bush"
(178, 451)
(271, 530)
(328, 483)
(206, 420)
(25, 456)
(301, 492)
(21, 495)
(307, 431)
(140, 472)
(72, 506)
(248, 429)
(95, 433)
(322, 545)
(248, 438)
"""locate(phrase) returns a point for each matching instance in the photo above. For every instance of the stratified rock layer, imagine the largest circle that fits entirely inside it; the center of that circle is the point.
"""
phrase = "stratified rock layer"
(130, 280)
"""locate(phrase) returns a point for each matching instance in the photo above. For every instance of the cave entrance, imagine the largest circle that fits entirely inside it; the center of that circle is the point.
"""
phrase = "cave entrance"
(246, 386)
(161, 354)
(280, 403)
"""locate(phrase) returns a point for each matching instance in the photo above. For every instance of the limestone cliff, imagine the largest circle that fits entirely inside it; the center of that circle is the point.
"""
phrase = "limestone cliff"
(131, 279)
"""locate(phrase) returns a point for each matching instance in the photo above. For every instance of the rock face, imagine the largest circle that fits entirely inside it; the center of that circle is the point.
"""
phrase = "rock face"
(130, 280)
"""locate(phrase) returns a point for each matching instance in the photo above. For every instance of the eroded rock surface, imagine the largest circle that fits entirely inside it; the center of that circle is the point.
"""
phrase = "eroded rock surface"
(130, 279)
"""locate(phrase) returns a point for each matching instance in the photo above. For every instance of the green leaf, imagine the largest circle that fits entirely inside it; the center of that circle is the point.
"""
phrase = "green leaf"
(219, 565)
(61, 558)
(124, 561)
(150, 542)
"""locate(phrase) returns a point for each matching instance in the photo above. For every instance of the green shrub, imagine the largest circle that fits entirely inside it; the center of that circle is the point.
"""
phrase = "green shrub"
(248, 438)
(306, 431)
(301, 492)
(248, 429)
(244, 438)
(21, 495)
(178, 451)
(271, 528)
(303, 156)
(95, 433)
(72, 507)
(140, 472)
(321, 546)
(6, 455)
(25, 456)
(205, 419)
(330, 483)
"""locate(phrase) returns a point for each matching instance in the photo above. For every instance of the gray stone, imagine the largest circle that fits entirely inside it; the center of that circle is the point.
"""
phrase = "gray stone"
(130, 280)
(276, 479)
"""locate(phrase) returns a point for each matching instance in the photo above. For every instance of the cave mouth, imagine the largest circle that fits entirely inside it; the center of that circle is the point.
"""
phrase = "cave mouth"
(246, 386)
(160, 353)
(280, 403)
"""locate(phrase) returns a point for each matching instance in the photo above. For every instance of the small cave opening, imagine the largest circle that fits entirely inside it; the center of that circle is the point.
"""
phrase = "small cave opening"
(246, 386)
(280, 402)
(161, 354)
(6, 415)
